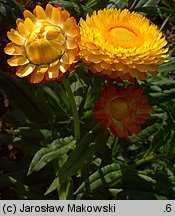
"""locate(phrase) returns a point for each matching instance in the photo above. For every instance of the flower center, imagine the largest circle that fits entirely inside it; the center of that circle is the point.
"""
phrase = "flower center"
(119, 109)
(45, 44)
(124, 36)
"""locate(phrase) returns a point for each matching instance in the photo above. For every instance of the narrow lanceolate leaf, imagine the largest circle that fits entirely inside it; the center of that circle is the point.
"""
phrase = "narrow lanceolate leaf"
(164, 84)
(57, 148)
(144, 134)
(55, 184)
(169, 66)
(160, 139)
(104, 176)
(82, 154)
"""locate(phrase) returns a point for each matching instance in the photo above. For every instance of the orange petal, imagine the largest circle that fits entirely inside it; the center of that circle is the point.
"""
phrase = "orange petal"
(25, 70)
(36, 78)
(15, 37)
(17, 60)
(118, 129)
(134, 129)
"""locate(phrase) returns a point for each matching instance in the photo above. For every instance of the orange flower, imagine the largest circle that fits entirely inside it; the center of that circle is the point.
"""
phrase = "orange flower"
(44, 45)
(122, 110)
(118, 43)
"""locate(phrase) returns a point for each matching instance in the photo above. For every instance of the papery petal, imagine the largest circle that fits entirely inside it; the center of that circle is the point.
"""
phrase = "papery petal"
(123, 110)
(15, 37)
(25, 70)
(40, 13)
(17, 60)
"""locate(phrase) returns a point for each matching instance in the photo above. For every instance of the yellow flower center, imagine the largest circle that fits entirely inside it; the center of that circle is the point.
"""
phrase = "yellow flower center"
(119, 109)
(123, 35)
(45, 44)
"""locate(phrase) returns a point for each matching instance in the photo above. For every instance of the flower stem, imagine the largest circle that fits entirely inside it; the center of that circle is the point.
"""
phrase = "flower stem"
(73, 107)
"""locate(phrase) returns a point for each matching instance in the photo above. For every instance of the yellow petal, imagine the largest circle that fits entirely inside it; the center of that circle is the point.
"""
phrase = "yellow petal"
(15, 37)
(71, 43)
(28, 24)
(12, 49)
(19, 21)
(64, 67)
(65, 16)
(67, 58)
(40, 13)
(48, 10)
(56, 16)
(28, 14)
(25, 70)
(53, 72)
(52, 33)
(41, 70)
(94, 58)
(9, 49)
(22, 30)
(17, 60)
(69, 25)
(53, 64)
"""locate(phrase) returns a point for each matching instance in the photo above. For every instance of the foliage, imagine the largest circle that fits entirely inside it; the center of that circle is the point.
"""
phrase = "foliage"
(52, 162)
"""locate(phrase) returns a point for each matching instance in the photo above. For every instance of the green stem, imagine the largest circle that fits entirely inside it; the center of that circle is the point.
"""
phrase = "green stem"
(73, 107)
(149, 159)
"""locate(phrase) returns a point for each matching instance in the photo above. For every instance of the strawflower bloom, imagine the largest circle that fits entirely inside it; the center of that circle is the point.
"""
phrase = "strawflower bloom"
(122, 110)
(44, 45)
(118, 43)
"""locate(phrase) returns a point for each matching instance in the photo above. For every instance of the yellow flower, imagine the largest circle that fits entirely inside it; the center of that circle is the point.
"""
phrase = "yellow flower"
(44, 45)
(121, 44)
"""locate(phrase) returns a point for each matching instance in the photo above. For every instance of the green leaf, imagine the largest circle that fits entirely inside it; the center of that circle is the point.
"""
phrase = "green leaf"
(144, 3)
(118, 4)
(144, 134)
(104, 176)
(81, 155)
(66, 4)
(160, 139)
(55, 184)
(95, 5)
(168, 66)
(53, 151)
(150, 10)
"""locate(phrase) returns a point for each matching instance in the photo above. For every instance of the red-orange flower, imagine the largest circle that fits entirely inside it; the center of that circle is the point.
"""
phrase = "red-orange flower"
(122, 110)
